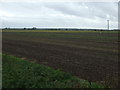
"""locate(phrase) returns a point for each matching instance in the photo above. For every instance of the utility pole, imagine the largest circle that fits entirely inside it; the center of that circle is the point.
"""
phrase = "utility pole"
(108, 24)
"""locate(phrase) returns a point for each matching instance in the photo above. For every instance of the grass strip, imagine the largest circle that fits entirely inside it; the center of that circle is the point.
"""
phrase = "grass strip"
(18, 73)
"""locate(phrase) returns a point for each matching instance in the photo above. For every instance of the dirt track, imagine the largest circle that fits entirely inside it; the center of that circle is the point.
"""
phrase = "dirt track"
(89, 64)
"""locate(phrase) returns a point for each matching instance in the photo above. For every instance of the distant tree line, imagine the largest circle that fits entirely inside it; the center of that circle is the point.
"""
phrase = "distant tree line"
(72, 29)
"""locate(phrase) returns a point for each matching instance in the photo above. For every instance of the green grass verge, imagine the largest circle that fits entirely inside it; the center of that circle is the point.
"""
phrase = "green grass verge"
(18, 73)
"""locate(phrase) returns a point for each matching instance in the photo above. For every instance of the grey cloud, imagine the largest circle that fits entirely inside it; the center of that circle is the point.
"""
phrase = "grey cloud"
(87, 10)
(69, 8)
(63, 14)
(103, 9)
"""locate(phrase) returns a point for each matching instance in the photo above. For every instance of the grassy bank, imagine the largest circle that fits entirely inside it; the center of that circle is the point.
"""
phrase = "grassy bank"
(18, 73)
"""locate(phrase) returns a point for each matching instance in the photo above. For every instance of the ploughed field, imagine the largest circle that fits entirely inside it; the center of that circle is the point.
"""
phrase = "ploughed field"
(90, 55)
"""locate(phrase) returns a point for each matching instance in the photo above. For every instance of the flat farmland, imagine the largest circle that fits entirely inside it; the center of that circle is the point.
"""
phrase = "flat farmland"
(90, 55)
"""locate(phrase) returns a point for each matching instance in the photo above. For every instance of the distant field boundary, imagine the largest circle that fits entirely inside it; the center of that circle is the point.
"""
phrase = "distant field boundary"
(55, 31)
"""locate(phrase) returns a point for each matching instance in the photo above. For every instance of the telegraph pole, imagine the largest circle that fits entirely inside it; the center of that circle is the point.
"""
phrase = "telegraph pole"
(108, 25)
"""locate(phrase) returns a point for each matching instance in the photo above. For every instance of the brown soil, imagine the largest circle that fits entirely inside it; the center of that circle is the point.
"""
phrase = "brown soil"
(90, 56)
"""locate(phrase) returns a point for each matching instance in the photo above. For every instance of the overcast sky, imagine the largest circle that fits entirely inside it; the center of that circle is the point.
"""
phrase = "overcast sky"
(59, 14)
